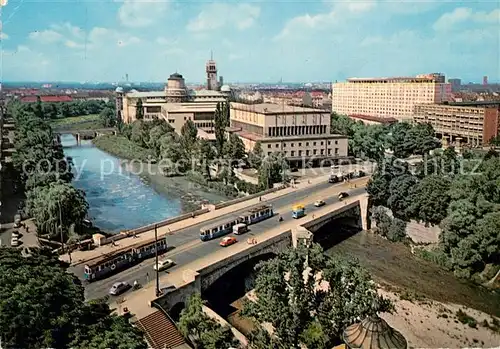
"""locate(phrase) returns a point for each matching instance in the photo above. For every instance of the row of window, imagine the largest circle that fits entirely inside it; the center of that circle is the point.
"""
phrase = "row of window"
(296, 130)
(308, 152)
(300, 144)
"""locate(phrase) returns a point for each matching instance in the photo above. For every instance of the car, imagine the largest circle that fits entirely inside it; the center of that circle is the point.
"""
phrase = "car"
(319, 203)
(118, 288)
(343, 195)
(228, 241)
(164, 264)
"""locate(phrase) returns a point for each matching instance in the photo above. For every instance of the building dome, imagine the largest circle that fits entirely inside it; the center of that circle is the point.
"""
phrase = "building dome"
(133, 91)
(225, 88)
(119, 90)
(176, 76)
(373, 333)
(175, 89)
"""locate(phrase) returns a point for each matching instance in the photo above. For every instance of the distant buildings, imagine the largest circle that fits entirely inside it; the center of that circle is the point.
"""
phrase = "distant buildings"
(298, 133)
(455, 84)
(313, 99)
(475, 123)
(388, 97)
(176, 103)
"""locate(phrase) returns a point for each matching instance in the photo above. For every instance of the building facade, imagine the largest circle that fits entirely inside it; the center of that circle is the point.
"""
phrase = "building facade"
(475, 123)
(298, 133)
(176, 104)
(388, 97)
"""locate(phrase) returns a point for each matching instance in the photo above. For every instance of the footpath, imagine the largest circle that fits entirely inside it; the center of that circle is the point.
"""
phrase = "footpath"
(137, 302)
(80, 257)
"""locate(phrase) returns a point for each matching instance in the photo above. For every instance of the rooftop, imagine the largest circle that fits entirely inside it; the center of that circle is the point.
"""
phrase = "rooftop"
(160, 331)
(49, 99)
(207, 107)
(255, 137)
(146, 94)
(373, 118)
(270, 108)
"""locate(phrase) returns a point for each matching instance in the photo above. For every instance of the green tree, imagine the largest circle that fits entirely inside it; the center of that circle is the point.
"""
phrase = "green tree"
(342, 125)
(430, 199)
(234, 149)
(108, 117)
(379, 184)
(256, 155)
(139, 110)
(495, 140)
(189, 136)
(56, 206)
(368, 142)
(42, 306)
(220, 124)
(38, 108)
(155, 135)
(400, 196)
(272, 170)
(400, 141)
(394, 229)
(307, 296)
(204, 332)
(140, 133)
(206, 156)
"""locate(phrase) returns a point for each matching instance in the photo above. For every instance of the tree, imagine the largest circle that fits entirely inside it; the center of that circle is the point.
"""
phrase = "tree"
(140, 133)
(400, 141)
(189, 136)
(220, 124)
(155, 135)
(139, 110)
(203, 331)
(394, 229)
(400, 196)
(256, 155)
(42, 306)
(108, 117)
(309, 297)
(495, 140)
(342, 125)
(56, 206)
(378, 186)
(234, 149)
(38, 108)
(206, 155)
(430, 199)
(272, 170)
(368, 142)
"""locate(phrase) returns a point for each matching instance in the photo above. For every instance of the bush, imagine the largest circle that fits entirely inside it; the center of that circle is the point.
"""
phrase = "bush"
(122, 147)
(227, 190)
(436, 256)
(466, 319)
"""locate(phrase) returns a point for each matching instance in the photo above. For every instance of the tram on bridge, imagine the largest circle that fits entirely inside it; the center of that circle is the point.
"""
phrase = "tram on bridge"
(221, 228)
(111, 263)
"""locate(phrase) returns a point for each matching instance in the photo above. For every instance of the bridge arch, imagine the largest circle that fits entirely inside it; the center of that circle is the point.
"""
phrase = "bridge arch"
(175, 310)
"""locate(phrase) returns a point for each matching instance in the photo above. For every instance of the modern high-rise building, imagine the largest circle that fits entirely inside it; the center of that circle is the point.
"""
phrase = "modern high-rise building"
(475, 123)
(485, 80)
(393, 97)
(211, 70)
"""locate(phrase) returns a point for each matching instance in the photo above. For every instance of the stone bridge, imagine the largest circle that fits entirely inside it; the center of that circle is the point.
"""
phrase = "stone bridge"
(83, 134)
(174, 299)
(201, 280)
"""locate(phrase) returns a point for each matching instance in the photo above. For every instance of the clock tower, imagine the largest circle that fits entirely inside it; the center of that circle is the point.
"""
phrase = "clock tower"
(211, 70)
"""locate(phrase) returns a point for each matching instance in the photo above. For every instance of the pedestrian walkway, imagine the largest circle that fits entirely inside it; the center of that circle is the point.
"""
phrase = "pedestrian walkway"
(79, 257)
(137, 302)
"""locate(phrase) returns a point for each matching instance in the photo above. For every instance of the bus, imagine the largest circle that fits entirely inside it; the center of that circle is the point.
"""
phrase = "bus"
(298, 211)
(221, 228)
(113, 262)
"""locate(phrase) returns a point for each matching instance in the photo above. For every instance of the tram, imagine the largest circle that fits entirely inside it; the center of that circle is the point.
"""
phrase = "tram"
(252, 216)
(111, 263)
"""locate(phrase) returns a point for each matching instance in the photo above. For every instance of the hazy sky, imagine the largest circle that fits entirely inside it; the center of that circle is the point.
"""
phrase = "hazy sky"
(102, 40)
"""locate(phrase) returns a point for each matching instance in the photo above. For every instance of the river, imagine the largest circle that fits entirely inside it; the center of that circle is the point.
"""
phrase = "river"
(118, 199)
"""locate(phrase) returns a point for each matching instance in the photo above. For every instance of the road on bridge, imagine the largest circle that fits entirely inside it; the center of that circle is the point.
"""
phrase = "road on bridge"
(190, 247)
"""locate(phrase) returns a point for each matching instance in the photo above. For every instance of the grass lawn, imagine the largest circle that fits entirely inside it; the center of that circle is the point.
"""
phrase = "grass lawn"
(74, 120)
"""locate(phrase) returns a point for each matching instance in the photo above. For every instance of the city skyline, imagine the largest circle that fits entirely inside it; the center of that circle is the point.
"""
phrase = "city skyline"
(257, 41)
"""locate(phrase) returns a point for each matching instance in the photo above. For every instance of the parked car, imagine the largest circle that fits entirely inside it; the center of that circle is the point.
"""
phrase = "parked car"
(343, 195)
(119, 288)
(319, 203)
(228, 241)
(164, 264)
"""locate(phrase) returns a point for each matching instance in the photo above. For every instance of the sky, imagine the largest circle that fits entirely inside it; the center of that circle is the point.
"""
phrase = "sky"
(255, 41)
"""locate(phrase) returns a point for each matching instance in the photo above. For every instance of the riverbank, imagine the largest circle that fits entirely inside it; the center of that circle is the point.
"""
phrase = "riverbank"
(394, 267)
(82, 122)
(192, 194)
(122, 148)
